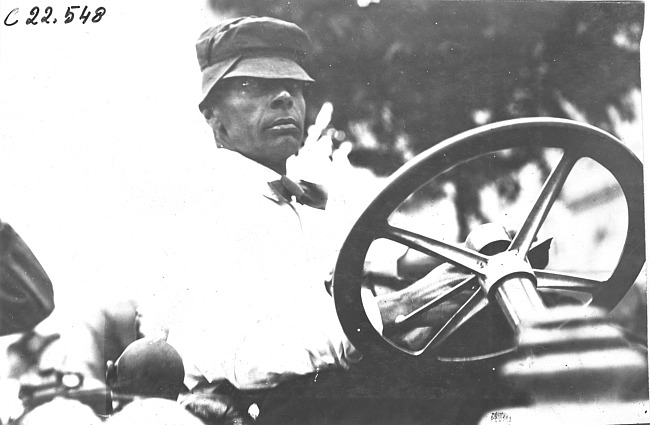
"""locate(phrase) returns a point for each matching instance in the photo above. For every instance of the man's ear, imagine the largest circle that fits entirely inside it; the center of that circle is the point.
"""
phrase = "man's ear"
(212, 117)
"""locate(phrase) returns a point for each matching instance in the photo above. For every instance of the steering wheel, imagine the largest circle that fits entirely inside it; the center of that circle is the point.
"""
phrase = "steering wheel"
(506, 279)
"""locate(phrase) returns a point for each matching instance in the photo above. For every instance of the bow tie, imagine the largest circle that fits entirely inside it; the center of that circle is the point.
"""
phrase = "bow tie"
(306, 193)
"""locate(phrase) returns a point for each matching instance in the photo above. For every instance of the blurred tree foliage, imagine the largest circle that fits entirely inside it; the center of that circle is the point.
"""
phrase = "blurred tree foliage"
(405, 75)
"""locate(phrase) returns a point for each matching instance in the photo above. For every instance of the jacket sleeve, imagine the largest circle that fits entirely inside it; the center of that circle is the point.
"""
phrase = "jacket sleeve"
(26, 294)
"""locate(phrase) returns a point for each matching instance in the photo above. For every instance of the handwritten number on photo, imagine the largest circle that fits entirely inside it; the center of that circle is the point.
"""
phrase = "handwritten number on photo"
(87, 13)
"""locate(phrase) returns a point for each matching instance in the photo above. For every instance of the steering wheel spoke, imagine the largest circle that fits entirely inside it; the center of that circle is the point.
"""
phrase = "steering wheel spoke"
(406, 320)
(470, 260)
(563, 281)
(474, 305)
(551, 190)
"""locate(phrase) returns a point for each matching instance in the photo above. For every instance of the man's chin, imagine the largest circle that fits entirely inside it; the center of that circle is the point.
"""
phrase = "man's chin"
(289, 146)
(277, 151)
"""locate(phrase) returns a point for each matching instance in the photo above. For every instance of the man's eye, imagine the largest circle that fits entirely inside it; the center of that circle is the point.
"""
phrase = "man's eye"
(252, 85)
(296, 85)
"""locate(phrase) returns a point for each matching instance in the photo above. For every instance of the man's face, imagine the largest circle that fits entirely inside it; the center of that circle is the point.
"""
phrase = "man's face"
(261, 118)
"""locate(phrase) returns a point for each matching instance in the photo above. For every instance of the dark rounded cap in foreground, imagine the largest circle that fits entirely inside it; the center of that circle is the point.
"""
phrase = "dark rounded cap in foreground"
(152, 368)
(252, 46)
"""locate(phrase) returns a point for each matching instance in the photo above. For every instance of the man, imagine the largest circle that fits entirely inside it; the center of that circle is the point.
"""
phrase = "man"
(259, 314)
(280, 321)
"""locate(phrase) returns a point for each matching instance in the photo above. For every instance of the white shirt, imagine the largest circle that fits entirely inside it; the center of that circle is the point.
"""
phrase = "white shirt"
(252, 306)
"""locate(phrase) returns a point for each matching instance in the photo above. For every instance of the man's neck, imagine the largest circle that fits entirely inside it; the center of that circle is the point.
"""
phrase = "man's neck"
(280, 169)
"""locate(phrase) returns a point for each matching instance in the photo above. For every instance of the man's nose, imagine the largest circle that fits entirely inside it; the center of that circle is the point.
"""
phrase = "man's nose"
(282, 99)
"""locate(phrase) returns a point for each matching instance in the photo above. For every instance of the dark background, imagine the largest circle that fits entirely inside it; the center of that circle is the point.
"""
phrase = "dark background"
(412, 73)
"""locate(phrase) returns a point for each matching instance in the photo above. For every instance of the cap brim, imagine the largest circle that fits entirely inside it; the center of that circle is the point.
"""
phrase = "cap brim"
(259, 67)
(268, 67)
(214, 73)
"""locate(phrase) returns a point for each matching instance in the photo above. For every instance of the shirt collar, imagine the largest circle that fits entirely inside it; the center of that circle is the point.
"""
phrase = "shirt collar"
(255, 175)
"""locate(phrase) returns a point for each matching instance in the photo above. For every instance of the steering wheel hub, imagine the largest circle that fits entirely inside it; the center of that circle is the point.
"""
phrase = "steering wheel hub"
(503, 266)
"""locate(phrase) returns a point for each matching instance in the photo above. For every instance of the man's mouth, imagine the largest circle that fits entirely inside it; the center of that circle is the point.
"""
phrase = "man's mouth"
(284, 124)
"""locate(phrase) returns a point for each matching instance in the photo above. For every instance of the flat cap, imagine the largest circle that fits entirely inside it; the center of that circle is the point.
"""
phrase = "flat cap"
(252, 46)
